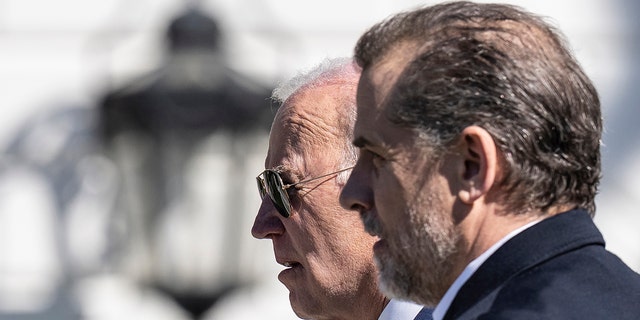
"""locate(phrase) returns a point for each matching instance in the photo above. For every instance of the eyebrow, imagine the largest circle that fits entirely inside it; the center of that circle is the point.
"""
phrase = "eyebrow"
(286, 172)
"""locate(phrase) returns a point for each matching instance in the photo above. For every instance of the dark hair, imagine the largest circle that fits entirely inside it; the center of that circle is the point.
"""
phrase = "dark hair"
(509, 72)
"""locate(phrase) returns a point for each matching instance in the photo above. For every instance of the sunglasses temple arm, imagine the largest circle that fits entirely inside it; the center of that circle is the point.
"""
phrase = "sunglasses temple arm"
(316, 178)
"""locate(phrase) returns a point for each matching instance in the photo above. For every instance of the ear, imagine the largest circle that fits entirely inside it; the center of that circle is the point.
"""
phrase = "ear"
(479, 163)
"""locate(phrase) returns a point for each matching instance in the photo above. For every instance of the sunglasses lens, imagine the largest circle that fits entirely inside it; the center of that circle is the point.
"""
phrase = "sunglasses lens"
(277, 193)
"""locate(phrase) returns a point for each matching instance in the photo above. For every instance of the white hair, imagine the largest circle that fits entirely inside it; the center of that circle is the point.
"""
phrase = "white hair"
(326, 69)
(329, 70)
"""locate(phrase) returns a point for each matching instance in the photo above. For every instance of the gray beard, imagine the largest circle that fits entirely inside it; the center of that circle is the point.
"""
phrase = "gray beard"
(421, 261)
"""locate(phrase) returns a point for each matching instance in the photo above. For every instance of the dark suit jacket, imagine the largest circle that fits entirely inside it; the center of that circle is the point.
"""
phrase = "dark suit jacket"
(556, 269)
(424, 314)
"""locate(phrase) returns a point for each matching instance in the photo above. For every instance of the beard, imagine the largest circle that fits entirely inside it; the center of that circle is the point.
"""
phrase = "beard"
(419, 261)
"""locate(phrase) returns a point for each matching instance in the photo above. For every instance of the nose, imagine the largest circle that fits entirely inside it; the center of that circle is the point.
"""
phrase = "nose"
(356, 194)
(268, 221)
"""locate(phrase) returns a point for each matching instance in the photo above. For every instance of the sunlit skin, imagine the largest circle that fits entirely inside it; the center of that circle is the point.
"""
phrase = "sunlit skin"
(329, 269)
(432, 217)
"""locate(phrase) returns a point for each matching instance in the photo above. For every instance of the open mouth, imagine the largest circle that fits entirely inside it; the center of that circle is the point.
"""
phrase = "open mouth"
(291, 264)
(288, 263)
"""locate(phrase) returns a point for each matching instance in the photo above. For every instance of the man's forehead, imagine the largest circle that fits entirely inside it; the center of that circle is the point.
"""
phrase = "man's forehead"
(390, 65)
(285, 159)
(379, 79)
(304, 128)
(373, 129)
(310, 120)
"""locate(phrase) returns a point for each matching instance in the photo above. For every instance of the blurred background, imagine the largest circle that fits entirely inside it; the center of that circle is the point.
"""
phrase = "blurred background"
(132, 132)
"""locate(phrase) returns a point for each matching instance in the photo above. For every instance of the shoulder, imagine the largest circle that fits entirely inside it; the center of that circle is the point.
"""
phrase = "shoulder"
(557, 269)
(587, 283)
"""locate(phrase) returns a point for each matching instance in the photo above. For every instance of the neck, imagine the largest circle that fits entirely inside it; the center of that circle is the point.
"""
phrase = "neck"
(484, 230)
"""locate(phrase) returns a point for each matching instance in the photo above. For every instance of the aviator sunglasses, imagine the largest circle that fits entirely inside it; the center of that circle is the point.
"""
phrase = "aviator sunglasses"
(270, 183)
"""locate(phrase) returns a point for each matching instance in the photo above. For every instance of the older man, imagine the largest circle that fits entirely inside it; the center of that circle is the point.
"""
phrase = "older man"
(479, 139)
(327, 256)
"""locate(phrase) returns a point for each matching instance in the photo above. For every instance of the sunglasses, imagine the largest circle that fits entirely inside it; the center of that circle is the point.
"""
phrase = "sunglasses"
(270, 183)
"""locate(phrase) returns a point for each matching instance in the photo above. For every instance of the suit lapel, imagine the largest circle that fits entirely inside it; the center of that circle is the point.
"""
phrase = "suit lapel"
(548, 238)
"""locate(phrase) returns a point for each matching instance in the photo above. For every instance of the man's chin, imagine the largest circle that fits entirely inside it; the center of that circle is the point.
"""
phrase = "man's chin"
(406, 292)
(392, 280)
(298, 307)
(395, 282)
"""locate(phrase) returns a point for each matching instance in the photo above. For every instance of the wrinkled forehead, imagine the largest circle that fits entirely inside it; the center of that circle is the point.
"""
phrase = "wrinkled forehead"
(307, 126)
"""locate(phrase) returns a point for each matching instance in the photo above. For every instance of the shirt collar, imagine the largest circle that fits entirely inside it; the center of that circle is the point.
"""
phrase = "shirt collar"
(447, 299)
(400, 310)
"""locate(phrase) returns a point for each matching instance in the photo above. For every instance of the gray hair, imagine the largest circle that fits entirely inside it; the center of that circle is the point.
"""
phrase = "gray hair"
(329, 71)
(328, 68)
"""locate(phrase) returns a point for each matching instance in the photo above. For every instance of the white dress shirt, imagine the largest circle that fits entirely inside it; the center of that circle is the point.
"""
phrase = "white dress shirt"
(445, 302)
(400, 310)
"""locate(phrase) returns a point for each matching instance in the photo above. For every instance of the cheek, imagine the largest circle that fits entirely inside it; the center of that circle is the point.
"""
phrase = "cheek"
(332, 231)
(390, 195)
(343, 262)
(344, 241)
